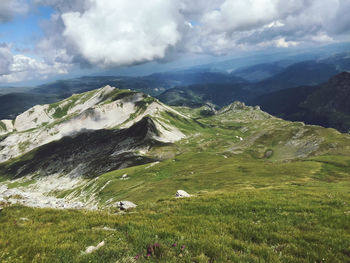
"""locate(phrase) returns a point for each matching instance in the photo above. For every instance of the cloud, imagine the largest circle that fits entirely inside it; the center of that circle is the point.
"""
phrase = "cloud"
(14, 68)
(63, 6)
(9, 8)
(124, 32)
(6, 59)
(241, 24)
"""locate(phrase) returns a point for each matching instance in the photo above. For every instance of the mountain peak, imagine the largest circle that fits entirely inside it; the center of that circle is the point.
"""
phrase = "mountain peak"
(104, 108)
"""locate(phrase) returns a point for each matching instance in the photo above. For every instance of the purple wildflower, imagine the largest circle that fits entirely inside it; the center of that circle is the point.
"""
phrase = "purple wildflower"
(182, 247)
(174, 245)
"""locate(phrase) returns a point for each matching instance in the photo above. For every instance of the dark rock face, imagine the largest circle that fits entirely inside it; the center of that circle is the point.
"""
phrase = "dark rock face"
(89, 154)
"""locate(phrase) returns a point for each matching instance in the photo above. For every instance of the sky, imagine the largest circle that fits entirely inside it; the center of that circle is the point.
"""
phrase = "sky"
(47, 39)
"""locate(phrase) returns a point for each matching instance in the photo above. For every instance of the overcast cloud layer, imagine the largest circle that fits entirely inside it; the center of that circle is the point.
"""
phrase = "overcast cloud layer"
(105, 33)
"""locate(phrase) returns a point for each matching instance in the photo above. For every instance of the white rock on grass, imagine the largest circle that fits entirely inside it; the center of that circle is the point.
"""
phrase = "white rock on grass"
(182, 193)
(124, 177)
(125, 205)
(91, 249)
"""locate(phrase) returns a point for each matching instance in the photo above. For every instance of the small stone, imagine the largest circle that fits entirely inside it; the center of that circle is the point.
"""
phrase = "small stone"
(91, 249)
(182, 193)
(125, 205)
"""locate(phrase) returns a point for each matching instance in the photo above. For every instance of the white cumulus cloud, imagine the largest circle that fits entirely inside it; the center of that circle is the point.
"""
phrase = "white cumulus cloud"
(15, 68)
(119, 32)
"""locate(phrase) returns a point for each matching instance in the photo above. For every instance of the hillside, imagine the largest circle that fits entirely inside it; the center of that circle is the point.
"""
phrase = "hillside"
(254, 179)
(105, 108)
(312, 72)
(13, 104)
(325, 104)
(197, 95)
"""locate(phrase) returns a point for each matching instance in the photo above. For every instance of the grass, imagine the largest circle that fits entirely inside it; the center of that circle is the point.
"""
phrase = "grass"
(289, 223)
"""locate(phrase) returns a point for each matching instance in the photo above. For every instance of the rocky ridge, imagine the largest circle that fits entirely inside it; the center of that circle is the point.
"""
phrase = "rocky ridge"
(105, 108)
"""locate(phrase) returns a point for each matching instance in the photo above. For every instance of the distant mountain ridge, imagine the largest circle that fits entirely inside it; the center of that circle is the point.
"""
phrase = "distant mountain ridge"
(326, 104)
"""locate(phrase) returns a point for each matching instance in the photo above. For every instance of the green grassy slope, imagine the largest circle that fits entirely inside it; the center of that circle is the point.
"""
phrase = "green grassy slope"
(281, 194)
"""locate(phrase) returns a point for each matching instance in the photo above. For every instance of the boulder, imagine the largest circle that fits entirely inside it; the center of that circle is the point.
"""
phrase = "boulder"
(182, 193)
(125, 205)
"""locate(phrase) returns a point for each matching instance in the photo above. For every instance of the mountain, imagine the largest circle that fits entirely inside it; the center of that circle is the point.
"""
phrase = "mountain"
(197, 95)
(325, 104)
(105, 108)
(278, 95)
(252, 180)
(13, 104)
(262, 71)
(311, 72)
(191, 77)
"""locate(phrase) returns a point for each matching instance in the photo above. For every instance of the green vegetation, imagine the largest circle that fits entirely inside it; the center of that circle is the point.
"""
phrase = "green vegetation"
(21, 183)
(61, 111)
(289, 223)
(2, 126)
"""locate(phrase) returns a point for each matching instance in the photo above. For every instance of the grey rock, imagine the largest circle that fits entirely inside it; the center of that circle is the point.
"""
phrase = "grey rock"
(125, 205)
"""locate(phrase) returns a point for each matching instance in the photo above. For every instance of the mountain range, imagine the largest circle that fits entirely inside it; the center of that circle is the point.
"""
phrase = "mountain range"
(279, 87)
(110, 162)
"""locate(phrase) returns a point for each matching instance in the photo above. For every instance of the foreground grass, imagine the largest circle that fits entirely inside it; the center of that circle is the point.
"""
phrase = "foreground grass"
(291, 223)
